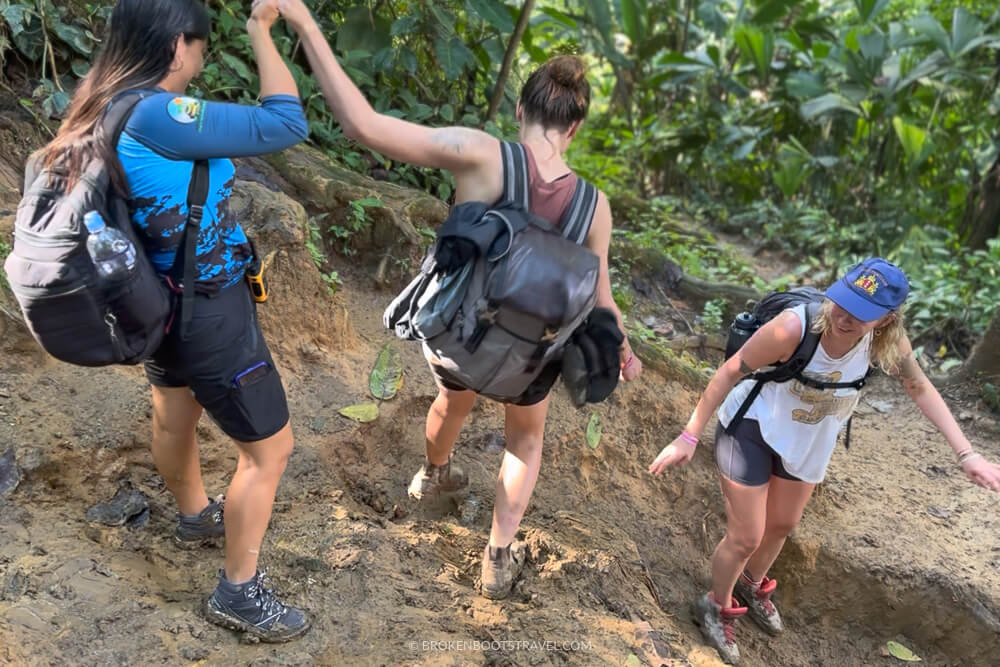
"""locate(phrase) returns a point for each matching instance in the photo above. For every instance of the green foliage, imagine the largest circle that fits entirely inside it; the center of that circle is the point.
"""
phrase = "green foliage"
(4, 251)
(712, 314)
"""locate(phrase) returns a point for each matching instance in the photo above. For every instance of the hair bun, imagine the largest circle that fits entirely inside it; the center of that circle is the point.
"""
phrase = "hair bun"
(567, 71)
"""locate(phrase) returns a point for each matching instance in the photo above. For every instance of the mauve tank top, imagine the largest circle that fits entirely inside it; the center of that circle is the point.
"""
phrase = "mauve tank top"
(549, 199)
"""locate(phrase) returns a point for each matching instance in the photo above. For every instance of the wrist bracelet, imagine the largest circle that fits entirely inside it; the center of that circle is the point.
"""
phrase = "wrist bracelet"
(967, 456)
(688, 438)
(628, 362)
(964, 452)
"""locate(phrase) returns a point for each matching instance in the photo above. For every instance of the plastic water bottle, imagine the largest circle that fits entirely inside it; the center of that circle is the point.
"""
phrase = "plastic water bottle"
(742, 329)
(112, 252)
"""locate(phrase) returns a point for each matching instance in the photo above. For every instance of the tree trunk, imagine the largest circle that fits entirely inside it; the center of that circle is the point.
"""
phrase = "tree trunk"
(982, 216)
(985, 358)
(508, 59)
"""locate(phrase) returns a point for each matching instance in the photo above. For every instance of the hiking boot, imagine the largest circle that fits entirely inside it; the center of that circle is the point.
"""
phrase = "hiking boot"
(206, 526)
(758, 602)
(432, 481)
(718, 626)
(501, 566)
(253, 608)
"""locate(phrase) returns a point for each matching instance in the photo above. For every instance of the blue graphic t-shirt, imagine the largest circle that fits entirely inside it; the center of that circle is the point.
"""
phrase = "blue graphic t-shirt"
(164, 136)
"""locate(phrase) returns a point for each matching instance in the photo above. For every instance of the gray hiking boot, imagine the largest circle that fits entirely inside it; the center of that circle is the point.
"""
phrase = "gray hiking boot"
(501, 567)
(758, 602)
(205, 527)
(253, 608)
(718, 626)
(432, 481)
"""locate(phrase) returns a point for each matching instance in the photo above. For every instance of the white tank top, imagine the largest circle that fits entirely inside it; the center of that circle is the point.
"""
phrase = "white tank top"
(801, 423)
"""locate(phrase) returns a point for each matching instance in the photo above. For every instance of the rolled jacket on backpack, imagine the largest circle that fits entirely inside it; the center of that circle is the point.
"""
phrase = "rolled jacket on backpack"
(590, 366)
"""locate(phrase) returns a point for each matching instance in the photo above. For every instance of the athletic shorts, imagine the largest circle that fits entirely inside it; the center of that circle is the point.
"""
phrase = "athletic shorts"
(745, 458)
(226, 363)
(536, 392)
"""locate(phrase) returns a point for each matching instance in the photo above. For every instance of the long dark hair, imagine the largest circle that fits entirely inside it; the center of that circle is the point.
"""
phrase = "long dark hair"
(139, 47)
(556, 94)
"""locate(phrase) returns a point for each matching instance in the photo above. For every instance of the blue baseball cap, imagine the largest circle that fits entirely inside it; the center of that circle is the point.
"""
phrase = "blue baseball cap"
(871, 289)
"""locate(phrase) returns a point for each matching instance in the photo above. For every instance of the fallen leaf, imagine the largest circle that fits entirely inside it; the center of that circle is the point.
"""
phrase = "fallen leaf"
(365, 412)
(387, 375)
(632, 661)
(939, 512)
(900, 652)
(594, 429)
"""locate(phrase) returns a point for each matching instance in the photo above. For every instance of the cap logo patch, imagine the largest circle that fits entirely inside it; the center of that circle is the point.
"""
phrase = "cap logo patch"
(868, 283)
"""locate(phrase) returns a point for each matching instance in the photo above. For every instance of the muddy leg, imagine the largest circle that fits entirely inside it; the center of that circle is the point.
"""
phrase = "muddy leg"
(746, 508)
(786, 500)
(250, 498)
(444, 422)
(524, 427)
(175, 447)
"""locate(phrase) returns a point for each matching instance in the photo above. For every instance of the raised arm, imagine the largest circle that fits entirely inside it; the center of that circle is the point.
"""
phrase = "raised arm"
(457, 149)
(926, 396)
(774, 342)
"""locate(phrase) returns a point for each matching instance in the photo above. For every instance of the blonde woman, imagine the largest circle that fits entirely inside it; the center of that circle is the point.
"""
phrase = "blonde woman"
(780, 450)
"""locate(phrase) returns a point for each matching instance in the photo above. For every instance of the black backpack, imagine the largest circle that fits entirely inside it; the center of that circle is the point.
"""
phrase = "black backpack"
(764, 311)
(73, 314)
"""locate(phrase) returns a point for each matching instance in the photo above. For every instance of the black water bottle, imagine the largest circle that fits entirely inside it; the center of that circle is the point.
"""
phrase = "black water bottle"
(740, 331)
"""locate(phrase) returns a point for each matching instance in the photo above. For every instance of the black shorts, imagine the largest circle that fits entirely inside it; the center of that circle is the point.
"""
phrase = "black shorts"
(745, 458)
(226, 363)
(536, 392)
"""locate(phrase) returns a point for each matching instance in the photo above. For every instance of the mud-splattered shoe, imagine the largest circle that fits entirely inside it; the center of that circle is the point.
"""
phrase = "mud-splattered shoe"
(433, 481)
(758, 602)
(206, 527)
(718, 626)
(254, 609)
(501, 567)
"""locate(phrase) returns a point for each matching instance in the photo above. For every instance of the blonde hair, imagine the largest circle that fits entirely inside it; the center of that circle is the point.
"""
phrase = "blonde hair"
(885, 340)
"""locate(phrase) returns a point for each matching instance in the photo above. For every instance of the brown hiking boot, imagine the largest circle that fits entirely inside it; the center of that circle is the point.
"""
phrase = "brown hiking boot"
(718, 626)
(431, 481)
(759, 605)
(501, 566)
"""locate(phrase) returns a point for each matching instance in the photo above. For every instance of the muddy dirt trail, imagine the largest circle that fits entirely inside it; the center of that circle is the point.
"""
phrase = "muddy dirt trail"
(896, 545)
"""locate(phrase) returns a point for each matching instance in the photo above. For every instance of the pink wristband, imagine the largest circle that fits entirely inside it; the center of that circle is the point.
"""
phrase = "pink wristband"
(688, 438)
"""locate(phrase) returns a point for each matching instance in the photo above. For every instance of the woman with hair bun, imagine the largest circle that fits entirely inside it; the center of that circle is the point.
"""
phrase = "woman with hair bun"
(772, 457)
(552, 106)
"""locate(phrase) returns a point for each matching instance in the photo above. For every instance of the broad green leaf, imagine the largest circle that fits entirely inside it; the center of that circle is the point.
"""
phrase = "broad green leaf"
(405, 24)
(447, 113)
(757, 46)
(494, 13)
(929, 29)
(15, 15)
(633, 661)
(387, 375)
(80, 67)
(600, 11)
(74, 37)
(453, 56)
(557, 15)
(56, 104)
(365, 412)
(634, 19)
(828, 103)
(445, 20)
(965, 28)
(869, 9)
(594, 428)
(362, 30)
(913, 139)
(772, 11)
(900, 652)
(238, 66)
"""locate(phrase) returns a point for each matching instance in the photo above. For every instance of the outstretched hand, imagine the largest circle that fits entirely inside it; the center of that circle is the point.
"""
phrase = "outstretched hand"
(631, 368)
(677, 453)
(295, 12)
(982, 472)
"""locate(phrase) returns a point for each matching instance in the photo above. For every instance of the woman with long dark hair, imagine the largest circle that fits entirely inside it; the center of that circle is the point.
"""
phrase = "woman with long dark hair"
(553, 105)
(222, 365)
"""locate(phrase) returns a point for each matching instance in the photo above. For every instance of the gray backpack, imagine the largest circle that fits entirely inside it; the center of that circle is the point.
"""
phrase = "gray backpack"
(496, 319)
(74, 314)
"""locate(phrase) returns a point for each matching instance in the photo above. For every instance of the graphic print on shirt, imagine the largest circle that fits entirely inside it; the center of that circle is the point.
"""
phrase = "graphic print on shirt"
(825, 403)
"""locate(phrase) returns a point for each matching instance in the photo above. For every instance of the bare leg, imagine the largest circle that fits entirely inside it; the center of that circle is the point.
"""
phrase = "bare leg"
(250, 499)
(746, 511)
(175, 448)
(444, 422)
(525, 427)
(786, 500)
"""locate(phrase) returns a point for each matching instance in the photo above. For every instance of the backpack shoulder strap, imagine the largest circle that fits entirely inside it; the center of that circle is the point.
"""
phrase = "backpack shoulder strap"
(185, 257)
(516, 188)
(580, 213)
(117, 114)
